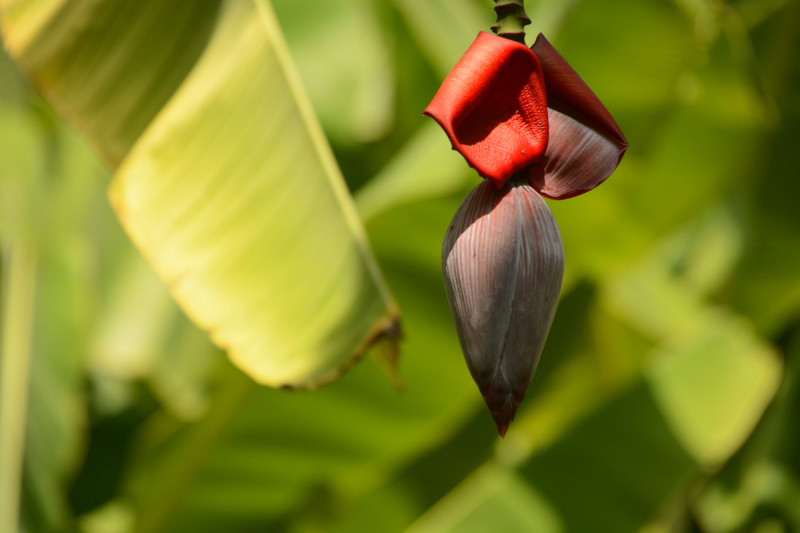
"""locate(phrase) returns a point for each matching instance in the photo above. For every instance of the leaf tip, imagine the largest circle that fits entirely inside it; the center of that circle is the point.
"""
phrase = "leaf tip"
(385, 348)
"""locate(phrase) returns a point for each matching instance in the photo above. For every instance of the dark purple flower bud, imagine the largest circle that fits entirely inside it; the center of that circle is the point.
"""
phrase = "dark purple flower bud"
(503, 263)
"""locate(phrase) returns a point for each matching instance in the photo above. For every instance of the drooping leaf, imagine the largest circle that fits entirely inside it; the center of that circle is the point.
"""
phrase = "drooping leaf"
(231, 191)
(108, 66)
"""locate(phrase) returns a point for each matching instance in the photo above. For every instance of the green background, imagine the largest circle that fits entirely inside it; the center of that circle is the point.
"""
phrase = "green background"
(668, 393)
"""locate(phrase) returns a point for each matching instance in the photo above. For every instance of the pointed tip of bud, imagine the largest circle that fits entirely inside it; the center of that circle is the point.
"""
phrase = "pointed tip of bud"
(504, 416)
(502, 427)
(501, 403)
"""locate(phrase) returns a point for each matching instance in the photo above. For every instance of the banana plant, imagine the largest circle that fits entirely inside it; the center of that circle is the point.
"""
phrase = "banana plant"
(223, 177)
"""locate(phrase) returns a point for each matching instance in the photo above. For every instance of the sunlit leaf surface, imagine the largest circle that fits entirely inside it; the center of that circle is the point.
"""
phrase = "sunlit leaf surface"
(230, 191)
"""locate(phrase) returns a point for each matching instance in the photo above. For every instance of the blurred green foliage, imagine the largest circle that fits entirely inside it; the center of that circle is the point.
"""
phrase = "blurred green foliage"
(668, 394)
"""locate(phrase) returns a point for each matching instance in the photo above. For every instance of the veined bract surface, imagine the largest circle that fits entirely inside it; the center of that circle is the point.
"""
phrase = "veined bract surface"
(503, 263)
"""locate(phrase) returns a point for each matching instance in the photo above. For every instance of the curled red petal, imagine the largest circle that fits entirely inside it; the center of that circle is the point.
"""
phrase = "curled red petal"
(503, 263)
(493, 107)
(585, 143)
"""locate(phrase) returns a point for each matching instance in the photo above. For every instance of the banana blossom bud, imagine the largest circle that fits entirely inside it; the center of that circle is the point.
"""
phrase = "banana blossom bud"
(525, 120)
(503, 263)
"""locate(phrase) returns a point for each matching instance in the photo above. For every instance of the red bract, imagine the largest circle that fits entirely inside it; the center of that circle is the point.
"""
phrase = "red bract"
(507, 108)
(493, 107)
(585, 144)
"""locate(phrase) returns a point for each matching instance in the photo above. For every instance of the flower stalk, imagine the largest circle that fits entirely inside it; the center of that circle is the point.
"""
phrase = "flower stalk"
(511, 19)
